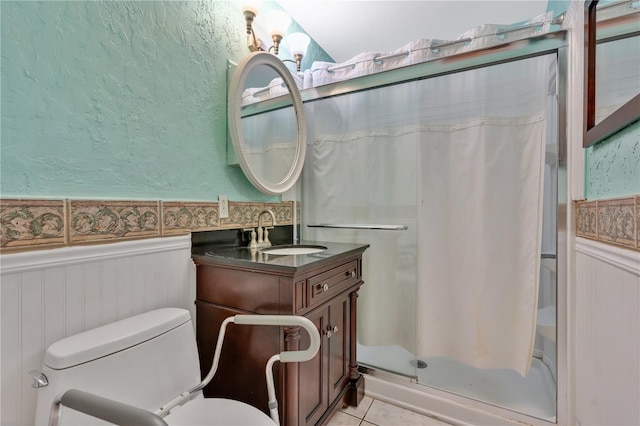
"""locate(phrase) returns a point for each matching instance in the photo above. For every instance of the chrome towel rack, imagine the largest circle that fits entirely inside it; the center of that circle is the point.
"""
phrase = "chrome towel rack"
(360, 226)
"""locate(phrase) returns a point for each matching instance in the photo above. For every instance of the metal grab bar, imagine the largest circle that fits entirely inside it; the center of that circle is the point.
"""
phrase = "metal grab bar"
(103, 408)
(286, 356)
(360, 226)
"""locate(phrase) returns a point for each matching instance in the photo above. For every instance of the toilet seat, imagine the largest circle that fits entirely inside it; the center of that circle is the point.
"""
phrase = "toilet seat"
(217, 411)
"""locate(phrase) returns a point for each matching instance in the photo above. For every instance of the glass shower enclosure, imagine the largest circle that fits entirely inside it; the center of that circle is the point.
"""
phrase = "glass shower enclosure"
(399, 166)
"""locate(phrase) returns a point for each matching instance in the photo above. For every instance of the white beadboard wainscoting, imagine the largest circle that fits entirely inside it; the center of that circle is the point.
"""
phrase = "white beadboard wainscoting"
(607, 340)
(47, 295)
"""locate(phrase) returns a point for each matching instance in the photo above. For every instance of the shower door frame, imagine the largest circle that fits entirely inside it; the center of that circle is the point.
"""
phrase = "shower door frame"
(550, 43)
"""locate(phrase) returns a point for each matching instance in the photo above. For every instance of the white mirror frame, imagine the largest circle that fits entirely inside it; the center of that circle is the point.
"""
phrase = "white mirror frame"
(236, 89)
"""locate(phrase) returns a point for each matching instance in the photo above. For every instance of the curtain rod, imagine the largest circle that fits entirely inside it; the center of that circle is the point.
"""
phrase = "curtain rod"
(505, 52)
(435, 47)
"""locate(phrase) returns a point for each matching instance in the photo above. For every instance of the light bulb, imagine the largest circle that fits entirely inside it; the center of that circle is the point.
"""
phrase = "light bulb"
(278, 22)
(250, 6)
(298, 43)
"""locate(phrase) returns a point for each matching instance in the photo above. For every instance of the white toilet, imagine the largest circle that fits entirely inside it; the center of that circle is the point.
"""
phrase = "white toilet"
(149, 361)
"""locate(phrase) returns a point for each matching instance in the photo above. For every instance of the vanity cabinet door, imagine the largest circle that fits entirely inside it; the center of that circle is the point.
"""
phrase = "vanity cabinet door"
(337, 340)
(313, 390)
(323, 378)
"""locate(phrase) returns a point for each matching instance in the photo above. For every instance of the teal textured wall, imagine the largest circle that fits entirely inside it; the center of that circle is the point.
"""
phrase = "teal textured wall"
(118, 99)
(127, 100)
(612, 167)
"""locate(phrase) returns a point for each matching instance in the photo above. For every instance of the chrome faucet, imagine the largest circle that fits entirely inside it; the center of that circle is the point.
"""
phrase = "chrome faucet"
(262, 231)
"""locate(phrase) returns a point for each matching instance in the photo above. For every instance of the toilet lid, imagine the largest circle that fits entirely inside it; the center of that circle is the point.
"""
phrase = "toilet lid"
(217, 411)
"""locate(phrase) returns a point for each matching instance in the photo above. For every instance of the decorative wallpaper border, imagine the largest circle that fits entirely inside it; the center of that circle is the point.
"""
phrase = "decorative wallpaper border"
(93, 221)
(28, 224)
(32, 223)
(615, 221)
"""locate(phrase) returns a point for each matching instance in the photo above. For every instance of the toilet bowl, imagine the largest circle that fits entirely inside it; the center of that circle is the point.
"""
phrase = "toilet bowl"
(148, 362)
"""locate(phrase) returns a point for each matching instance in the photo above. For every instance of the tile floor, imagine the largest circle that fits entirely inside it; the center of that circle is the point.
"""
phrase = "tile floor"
(373, 412)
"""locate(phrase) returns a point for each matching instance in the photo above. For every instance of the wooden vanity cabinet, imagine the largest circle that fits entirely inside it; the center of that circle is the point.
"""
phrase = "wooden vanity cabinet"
(307, 392)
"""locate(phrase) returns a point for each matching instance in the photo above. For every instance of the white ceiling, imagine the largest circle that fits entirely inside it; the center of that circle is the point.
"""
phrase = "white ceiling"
(344, 28)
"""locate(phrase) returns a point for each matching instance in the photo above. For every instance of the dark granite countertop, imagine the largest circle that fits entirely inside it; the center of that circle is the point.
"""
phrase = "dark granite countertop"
(242, 256)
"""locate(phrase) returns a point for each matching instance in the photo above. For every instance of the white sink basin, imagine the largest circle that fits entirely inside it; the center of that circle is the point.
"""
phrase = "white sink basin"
(293, 250)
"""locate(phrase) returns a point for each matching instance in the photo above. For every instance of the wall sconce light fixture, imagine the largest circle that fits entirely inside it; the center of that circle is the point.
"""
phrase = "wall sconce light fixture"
(250, 12)
(277, 23)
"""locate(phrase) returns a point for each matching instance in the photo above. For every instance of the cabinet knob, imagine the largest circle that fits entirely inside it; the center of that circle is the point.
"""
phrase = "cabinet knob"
(325, 287)
(331, 331)
(351, 274)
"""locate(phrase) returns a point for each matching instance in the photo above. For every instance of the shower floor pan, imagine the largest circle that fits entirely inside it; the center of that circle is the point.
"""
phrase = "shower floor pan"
(533, 395)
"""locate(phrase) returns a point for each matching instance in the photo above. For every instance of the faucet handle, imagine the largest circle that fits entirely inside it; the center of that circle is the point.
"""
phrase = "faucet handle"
(265, 240)
(252, 243)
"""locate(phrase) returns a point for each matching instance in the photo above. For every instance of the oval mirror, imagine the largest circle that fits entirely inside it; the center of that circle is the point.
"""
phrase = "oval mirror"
(266, 122)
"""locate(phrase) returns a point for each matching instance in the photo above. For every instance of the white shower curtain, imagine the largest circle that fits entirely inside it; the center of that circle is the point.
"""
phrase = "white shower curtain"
(458, 159)
(480, 241)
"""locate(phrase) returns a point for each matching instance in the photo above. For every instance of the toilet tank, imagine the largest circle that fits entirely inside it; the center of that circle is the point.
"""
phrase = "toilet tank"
(145, 361)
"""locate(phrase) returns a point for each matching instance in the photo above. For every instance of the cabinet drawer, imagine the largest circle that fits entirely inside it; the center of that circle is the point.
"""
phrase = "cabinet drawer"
(327, 284)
